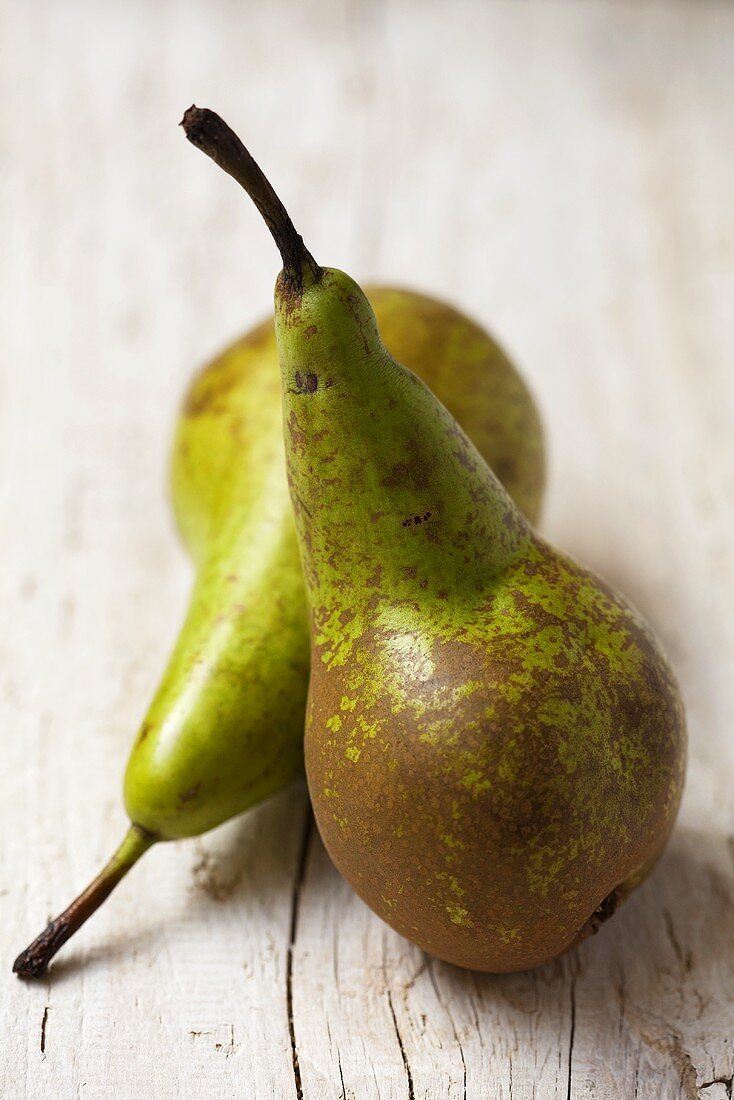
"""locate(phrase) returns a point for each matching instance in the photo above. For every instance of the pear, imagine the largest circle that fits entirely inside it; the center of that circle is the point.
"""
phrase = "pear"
(495, 742)
(225, 728)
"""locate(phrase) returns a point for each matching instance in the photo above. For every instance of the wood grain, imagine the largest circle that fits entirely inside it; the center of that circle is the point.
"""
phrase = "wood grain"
(563, 170)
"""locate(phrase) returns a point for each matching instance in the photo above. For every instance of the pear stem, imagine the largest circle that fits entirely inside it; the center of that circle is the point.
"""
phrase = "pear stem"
(33, 962)
(208, 132)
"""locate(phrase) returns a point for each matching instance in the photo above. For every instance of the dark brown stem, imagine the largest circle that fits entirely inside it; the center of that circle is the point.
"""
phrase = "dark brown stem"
(208, 132)
(33, 962)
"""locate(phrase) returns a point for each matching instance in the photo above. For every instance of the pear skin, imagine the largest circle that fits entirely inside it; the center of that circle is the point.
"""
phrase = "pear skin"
(495, 741)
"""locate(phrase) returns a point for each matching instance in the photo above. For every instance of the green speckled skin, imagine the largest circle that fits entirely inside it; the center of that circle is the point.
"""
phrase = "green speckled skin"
(226, 726)
(495, 744)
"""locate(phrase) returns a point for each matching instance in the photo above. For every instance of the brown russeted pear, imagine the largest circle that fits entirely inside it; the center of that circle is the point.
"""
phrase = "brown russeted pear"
(225, 728)
(495, 743)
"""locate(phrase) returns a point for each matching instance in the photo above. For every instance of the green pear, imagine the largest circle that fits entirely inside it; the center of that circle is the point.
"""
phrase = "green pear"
(495, 742)
(225, 728)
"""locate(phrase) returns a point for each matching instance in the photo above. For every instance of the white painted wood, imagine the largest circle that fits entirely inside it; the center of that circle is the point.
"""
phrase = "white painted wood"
(561, 168)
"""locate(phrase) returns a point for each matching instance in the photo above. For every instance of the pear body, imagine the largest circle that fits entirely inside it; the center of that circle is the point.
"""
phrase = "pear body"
(495, 742)
(225, 728)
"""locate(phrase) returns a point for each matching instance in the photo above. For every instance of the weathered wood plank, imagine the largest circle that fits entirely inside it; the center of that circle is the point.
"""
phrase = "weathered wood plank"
(562, 169)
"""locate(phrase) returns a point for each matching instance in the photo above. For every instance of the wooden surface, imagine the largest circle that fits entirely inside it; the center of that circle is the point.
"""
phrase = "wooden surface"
(561, 168)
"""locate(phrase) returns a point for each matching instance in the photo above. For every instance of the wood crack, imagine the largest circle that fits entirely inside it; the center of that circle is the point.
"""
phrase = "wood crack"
(463, 1063)
(341, 1076)
(571, 1038)
(295, 906)
(428, 965)
(411, 1090)
(44, 1021)
(727, 1082)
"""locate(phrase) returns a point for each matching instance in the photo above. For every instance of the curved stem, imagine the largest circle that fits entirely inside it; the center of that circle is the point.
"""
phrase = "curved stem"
(33, 962)
(208, 132)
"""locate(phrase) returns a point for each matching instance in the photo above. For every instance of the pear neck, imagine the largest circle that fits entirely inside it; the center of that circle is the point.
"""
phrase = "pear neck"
(327, 336)
(384, 483)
